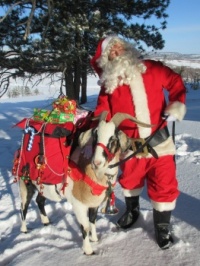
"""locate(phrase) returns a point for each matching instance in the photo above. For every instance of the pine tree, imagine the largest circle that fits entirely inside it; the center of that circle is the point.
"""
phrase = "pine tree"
(48, 37)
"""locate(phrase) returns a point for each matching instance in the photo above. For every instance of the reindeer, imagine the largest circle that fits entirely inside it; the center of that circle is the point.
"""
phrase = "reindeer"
(87, 192)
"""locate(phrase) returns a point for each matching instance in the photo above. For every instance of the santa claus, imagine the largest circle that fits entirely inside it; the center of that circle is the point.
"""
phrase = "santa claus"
(134, 86)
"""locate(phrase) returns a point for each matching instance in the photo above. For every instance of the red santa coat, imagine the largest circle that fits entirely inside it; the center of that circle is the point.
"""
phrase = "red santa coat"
(144, 99)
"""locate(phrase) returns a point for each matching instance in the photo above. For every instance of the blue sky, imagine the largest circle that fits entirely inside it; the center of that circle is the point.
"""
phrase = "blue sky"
(183, 27)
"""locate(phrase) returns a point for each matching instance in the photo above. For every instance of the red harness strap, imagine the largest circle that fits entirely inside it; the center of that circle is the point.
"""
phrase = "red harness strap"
(108, 153)
(76, 174)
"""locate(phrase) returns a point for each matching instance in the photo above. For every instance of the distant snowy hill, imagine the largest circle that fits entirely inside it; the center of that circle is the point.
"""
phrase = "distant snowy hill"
(176, 59)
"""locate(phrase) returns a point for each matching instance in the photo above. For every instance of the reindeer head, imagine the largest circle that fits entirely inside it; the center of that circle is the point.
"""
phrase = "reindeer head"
(108, 141)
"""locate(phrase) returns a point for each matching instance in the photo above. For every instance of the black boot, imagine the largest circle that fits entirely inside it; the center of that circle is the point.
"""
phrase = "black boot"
(162, 228)
(132, 212)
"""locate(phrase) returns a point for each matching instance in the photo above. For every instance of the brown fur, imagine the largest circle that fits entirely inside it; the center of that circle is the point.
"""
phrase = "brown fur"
(82, 191)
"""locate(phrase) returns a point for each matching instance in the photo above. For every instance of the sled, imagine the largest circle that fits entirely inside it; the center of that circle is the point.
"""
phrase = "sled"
(44, 152)
(48, 137)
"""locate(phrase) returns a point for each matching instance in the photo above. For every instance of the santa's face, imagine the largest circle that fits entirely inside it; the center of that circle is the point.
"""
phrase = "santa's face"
(116, 50)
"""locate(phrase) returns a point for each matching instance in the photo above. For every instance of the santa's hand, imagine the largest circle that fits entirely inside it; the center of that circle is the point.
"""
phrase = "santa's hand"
(169, 118)
(87, 151)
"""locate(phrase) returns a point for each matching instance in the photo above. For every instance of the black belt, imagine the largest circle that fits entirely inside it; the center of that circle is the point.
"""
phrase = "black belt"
(160, 136)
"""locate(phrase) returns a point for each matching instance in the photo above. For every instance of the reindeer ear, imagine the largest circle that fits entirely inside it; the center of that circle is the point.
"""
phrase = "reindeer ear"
(125, 142)
(85, 138)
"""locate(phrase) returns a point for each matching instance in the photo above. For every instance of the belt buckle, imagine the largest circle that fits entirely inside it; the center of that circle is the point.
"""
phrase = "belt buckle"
(136, 144)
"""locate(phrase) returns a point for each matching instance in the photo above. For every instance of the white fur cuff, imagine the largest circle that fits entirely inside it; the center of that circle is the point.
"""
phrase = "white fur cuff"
(176, 109)
(163, 206)
(133, 192)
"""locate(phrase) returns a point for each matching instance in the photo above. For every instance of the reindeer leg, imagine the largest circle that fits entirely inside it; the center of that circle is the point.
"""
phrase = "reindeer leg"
(41, 202)
(92, 219)
(27, 190)
(81, 212)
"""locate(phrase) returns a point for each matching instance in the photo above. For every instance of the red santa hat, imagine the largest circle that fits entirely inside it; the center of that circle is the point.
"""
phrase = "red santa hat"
(103, 48)
(106, 41)
(109, 41)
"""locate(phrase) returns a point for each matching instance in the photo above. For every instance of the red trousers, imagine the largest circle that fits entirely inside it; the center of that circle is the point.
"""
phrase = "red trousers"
(160, 176)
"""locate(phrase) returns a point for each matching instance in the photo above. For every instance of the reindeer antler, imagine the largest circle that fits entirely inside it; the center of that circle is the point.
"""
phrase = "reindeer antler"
(119, 117)
(101, 117)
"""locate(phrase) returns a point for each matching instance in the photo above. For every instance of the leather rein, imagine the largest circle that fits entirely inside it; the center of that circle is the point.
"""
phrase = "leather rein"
(140, 149)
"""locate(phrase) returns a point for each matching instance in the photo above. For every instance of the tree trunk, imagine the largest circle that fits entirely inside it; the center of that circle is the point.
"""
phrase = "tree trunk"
(69, 84)
(84, 70)
(84, 86)
(77, 80)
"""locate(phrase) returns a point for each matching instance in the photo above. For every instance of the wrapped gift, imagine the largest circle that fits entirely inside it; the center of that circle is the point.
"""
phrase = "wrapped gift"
(58, 117)
(65, 105)
(64, 110)
(40, 114)
(80, 113)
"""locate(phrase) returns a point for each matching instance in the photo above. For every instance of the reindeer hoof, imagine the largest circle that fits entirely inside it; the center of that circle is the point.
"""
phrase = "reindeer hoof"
(23, 228)
(46, 224)
(93, 253)
(24, 231)
(45, 219)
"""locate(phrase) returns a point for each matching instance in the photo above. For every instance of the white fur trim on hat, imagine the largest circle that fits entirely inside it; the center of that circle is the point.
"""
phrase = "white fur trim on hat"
(106, 41)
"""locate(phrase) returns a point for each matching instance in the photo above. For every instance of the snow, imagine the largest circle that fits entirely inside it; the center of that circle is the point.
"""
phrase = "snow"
(185, 63)
(60, 242)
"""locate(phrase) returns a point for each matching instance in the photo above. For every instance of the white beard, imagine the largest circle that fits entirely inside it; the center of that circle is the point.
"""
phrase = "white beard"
(120, 70)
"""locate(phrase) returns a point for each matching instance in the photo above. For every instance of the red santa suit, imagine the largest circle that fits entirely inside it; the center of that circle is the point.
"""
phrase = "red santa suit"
(140, 93)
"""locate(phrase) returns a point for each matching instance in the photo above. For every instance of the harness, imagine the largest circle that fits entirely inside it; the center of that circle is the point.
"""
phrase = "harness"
(142, 146)
(76, 174)
(109, 154)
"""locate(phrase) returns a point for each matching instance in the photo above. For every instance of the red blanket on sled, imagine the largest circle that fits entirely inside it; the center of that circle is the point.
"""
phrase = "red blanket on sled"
(46, 159)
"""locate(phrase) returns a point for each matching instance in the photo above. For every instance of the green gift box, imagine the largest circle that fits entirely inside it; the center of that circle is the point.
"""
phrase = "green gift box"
(57, 117)
(40, 114)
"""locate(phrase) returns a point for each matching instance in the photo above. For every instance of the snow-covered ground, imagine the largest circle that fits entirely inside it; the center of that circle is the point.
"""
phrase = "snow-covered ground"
(60, 243)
